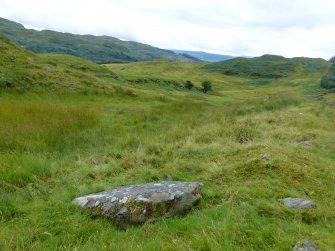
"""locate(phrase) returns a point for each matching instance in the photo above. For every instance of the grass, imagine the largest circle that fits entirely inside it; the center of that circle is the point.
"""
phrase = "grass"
(57, 145)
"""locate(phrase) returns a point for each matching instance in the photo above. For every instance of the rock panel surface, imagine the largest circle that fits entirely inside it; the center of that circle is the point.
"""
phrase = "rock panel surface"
(137, 204)
(298, 203)
(306, 245)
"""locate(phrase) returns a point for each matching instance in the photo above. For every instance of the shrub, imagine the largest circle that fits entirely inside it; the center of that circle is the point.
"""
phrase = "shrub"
(328, 82)
(206, 86)
(189, 85)
(5, 82)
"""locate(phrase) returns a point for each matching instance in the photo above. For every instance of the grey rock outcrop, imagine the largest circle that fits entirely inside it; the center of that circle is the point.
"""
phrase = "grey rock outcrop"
(306, 245)
(298, 203)
(137, 204)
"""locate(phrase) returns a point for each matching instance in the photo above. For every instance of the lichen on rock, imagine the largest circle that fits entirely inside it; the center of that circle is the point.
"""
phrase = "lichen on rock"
(298, 203)
(137, 204)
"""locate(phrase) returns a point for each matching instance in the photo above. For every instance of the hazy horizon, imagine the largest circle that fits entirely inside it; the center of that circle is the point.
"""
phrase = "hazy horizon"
(240, 28)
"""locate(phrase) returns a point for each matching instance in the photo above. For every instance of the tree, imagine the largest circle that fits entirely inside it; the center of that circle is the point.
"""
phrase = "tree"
(189, 85)
(328, 81)
(206, 86)
(332, 60)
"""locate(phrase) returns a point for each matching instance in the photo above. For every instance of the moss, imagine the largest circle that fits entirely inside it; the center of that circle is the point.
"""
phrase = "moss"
(150, 210)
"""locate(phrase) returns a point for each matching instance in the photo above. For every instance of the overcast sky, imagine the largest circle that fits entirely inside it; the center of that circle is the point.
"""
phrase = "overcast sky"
(236, 27)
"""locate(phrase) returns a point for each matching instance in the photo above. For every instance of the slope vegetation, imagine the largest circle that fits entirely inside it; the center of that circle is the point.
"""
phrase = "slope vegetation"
(328, 81)
(22, 70)
(100, 49)
(268, 66)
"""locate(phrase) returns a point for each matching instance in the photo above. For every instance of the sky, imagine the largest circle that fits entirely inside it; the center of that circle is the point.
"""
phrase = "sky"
(235, 27)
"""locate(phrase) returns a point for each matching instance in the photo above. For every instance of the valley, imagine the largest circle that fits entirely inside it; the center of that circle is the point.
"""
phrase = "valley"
(70, 127)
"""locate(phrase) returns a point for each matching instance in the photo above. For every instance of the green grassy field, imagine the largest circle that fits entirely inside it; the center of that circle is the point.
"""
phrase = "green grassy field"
(57, 144)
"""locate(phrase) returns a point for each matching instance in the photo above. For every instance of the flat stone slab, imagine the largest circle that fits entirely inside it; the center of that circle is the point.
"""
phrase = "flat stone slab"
(306, 245)
(137, 204)
(298, 203)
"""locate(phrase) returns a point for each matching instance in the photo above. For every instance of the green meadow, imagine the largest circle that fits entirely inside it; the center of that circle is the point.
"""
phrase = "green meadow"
(73, 128)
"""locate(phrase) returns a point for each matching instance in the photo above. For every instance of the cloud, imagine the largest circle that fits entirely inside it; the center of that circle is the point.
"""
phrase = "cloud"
(239, 27)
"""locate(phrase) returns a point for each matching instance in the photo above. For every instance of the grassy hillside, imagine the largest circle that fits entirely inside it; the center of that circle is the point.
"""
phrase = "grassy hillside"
(56, 145)
(100, 49)
(268, 66)
(22, 71)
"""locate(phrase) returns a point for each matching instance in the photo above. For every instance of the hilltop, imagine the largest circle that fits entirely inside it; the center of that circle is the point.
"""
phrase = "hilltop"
(269, 66)
(100, 49)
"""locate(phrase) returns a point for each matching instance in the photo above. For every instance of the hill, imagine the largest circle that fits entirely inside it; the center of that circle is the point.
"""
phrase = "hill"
(205, 56)
(100, 49)
(268, 66)
(22, 70)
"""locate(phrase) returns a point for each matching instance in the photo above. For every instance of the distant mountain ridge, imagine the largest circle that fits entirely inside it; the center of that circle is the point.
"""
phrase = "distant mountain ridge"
(205, 56)
(100, 49)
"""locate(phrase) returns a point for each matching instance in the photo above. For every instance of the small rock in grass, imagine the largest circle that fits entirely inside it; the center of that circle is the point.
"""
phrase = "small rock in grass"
(137, 204)
(266, 156)
(308, 143)
(298, 203)
(306, 245)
